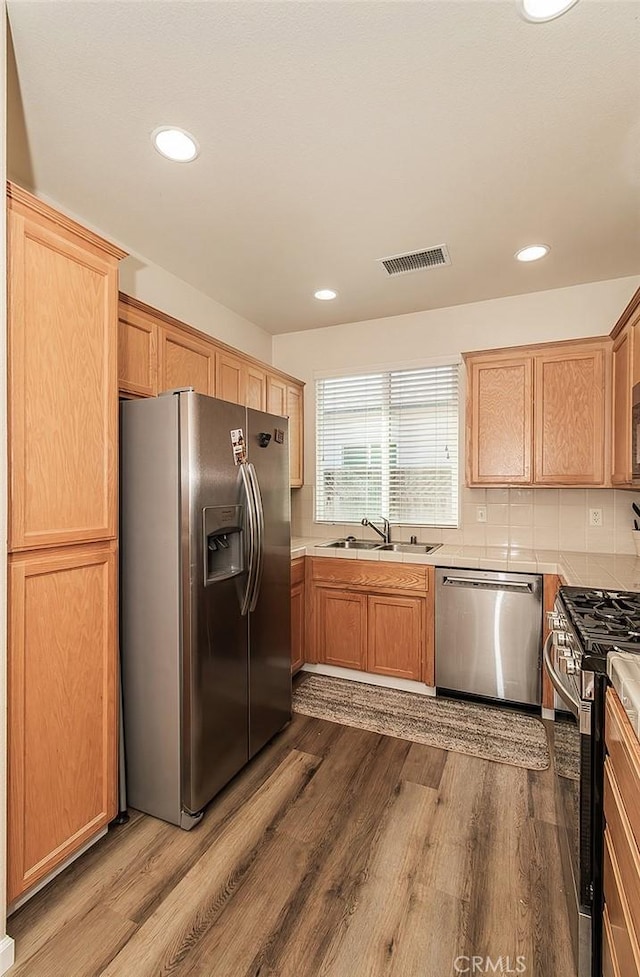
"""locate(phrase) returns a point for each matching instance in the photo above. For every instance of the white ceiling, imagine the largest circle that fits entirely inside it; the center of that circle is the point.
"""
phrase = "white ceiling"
(334, 133)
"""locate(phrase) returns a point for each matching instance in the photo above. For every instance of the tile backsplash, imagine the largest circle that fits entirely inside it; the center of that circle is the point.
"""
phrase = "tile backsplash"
(526, 518)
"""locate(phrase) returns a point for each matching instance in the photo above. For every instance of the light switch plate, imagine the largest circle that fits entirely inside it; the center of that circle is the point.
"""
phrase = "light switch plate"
(481, 513)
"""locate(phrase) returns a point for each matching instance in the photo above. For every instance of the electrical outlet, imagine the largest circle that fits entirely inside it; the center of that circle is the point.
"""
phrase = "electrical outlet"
(595, 517)
(481, 513)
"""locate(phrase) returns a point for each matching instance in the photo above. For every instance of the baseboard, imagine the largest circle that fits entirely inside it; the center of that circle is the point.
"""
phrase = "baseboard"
(7, 953)
(385, 681)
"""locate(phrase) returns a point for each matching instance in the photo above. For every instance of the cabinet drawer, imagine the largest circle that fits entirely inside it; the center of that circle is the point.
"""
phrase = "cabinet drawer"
(297, 571)
(623, 940)
(624, 750)
(623, 842)
(370, 575)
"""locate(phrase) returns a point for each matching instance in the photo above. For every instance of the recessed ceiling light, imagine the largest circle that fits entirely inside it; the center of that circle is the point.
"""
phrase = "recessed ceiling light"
(325, 294)
(540, 11)
(175, 144)
(532, 253)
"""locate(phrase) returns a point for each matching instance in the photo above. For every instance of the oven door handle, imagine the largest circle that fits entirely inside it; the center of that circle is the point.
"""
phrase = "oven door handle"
(561, 689)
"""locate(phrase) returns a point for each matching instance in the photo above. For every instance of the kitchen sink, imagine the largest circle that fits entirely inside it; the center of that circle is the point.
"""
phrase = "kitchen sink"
(410, 547)
(367, 544)
(352, 544)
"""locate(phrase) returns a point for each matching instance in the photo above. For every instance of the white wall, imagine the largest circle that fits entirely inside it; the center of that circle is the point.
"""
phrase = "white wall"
(516, 517)
(162, 290)
(6, 944)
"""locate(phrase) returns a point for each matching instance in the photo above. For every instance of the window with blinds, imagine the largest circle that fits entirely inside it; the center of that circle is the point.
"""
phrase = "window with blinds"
(387, 444)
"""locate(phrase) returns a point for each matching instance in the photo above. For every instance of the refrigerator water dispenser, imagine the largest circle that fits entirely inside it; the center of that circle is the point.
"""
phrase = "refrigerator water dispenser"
(222, 542)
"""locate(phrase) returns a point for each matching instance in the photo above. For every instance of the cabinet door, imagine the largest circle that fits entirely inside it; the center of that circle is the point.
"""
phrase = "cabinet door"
(570, 422)
(499, 421)
(256, 388)
(621, 420)
(341, 628)
(230, 371)
(298, 616)
(297, 626)
(137, 353)
(63, 299)
(396, 636)
(186, 362)
(296, 436)
(62, 706)
(276, 396)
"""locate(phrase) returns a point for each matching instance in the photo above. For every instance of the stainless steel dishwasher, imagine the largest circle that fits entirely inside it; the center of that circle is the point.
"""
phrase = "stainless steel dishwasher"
(489, 634)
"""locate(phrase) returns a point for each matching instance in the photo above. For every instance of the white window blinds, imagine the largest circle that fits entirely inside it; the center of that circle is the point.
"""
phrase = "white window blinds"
(387, 444)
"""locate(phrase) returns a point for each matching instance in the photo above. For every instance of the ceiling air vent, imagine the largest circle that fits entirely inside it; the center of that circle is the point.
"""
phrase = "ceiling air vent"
(401, 264)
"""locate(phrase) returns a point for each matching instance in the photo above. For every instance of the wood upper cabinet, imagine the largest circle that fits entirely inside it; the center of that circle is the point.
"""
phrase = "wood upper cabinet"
(62, 716)
(256, 387)
(396, 629)
(62, 358)
(499, 420)
(186, 362)
(295, 412)
(276, 395)
(341, 627)
(157, 352)
(571, 416)
(623, 364)
(539, 415)
(137, 352)
(230, 377)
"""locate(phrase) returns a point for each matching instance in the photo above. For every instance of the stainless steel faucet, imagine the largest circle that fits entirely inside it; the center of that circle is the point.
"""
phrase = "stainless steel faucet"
(385, 532)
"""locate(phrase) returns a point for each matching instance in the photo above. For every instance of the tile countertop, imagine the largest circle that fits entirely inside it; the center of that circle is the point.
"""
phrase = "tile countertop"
(604, 570)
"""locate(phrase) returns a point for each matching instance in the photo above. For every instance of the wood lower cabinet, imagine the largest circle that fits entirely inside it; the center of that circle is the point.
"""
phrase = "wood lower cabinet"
(341, 621)
(298, 614)
(540, 415)
(137, 352)
(395, 630)
(621, 876)
(62, 359)
(62, 716)
(373, 616)
(186, 362)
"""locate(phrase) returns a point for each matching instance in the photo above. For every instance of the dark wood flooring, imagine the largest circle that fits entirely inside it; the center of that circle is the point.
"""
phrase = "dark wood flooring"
(337, 853)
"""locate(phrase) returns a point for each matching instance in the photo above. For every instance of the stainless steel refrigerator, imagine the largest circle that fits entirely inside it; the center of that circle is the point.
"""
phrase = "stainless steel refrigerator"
(205, 593)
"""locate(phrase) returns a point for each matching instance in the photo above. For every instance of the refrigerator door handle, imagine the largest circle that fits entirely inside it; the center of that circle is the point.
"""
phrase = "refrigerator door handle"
(259, 512)
(252, 547)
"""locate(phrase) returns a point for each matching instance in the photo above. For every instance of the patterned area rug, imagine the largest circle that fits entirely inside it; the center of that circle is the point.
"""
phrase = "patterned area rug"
(450, 724)
(567, 749)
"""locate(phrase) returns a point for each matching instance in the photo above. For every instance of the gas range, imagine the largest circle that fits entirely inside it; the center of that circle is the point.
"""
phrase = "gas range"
(591, 623)
(584, 627)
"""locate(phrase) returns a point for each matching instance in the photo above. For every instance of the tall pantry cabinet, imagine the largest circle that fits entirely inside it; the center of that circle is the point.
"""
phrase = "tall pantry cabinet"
(62, 619)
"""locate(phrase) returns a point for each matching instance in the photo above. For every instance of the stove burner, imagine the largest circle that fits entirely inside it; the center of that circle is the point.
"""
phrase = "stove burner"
(607, 613)
(603, 619)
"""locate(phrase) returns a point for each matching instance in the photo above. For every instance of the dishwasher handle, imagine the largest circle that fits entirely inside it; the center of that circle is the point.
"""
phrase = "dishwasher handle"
(516, 586)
